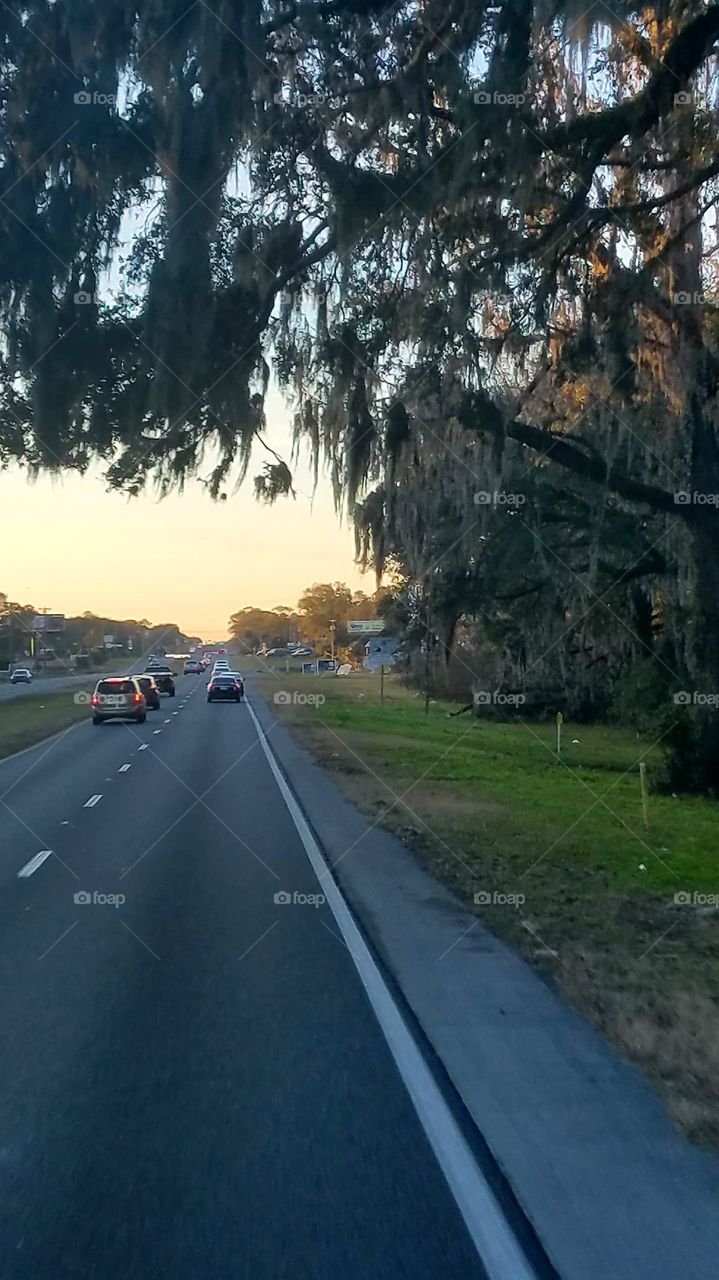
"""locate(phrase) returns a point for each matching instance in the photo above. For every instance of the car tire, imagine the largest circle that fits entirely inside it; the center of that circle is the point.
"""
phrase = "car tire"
(141, 718)
(209, 699)
(97, 719)
(172, 693)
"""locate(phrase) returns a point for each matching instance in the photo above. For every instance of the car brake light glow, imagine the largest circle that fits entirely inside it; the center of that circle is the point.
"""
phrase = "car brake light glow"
(95, 700)
(137, 697)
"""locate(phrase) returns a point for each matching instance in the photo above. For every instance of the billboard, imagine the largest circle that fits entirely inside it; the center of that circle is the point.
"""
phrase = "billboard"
(49, 623)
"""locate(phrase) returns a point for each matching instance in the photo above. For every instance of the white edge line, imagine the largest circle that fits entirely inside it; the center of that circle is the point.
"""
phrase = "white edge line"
(490, 1232)
(34, 863)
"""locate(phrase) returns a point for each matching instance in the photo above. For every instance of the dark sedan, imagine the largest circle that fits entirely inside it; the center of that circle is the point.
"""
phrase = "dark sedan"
(224, 688)
(150, 690)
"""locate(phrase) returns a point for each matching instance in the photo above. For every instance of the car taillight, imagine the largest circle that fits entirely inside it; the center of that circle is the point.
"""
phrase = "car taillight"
(137, 697)
(95, 700)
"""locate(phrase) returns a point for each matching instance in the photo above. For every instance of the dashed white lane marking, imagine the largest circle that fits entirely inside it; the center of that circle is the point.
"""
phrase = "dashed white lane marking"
(167, 721)
(124, 768)
(90, 804)
(34, 863)
(175, 713)
(143, 747)
(156, 731)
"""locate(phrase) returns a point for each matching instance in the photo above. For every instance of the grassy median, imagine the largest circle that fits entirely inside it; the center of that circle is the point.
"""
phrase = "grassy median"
(30, 717)
(566, 867)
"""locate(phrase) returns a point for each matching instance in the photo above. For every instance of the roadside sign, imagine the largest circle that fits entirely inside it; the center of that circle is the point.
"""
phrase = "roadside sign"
(380, 653)
(325, 664)
(370, 627)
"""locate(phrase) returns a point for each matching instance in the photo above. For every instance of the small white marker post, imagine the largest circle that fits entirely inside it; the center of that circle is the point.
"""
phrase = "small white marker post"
(643, 788)
(559, 719)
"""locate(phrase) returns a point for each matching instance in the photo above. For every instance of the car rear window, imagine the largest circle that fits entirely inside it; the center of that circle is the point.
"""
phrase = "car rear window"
(116, 686)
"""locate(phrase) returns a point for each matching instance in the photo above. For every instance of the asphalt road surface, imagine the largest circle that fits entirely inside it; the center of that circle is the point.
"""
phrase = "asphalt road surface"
(193, 1082)
(50, 684)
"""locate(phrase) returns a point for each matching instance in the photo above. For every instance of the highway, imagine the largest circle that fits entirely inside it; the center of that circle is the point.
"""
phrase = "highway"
(194, 1083)
(50, 684)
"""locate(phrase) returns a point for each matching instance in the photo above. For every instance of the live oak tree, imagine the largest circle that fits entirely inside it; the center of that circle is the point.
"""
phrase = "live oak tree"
(474, 224)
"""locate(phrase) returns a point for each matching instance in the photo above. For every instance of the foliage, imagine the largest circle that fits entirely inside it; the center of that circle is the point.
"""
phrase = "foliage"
(476, 244)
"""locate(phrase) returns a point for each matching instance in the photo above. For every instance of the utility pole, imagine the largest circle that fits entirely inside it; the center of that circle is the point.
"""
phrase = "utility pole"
(426, 662)
(333, 628)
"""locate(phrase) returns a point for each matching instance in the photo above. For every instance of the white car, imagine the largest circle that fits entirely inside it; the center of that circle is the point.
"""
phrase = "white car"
(21, 675)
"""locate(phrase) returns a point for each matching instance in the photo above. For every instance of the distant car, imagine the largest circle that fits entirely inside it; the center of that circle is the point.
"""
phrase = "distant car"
(150, 690)
(225, 688)
(303, 651)
(280, 652)
(118, 698)
(21, 675)
(192, 668)
(164, 678)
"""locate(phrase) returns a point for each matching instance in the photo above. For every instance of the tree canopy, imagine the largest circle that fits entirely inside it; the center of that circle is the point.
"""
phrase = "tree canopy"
(474, 244)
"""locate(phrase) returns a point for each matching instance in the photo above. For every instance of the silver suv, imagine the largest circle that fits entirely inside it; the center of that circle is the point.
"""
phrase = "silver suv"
(118, 698)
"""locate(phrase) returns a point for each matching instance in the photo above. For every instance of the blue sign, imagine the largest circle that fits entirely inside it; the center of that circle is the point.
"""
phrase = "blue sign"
(381, 652)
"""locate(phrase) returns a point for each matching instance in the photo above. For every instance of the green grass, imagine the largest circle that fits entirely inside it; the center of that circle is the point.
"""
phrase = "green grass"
(488, 807)
(29, 718)
(584, 807)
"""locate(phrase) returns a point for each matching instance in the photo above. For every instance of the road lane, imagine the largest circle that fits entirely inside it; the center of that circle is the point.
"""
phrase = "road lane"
(51, 684)
(45, 787)
(197, 1084)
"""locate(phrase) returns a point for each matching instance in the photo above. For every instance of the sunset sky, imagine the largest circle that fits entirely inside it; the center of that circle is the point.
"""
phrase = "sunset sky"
(71, 546)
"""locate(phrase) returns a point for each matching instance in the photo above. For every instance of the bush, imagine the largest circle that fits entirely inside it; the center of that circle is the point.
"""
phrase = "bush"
(642, 697)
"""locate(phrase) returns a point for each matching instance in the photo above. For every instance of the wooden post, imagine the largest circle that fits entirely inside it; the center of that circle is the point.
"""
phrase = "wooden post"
(426, 664)
(643, 788)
